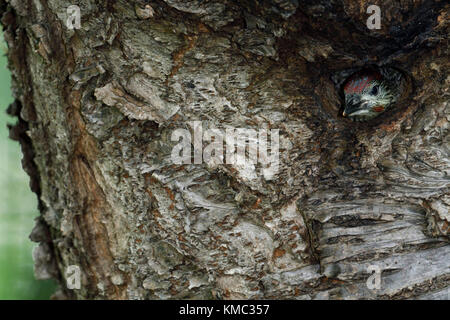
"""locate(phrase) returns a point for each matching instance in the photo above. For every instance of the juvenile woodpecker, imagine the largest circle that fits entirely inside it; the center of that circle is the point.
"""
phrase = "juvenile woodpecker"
(368, 94)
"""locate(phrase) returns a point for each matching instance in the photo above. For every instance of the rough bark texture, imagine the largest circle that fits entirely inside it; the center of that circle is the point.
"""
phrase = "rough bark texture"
(97, 107)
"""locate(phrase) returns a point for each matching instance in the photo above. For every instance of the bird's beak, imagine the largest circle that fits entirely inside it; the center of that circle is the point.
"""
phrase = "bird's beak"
(351, 108)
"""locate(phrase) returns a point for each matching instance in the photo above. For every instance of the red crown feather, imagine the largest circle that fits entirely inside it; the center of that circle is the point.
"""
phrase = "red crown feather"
(358, 82)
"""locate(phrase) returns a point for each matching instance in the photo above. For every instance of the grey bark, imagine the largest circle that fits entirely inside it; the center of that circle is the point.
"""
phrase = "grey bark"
(97, 107)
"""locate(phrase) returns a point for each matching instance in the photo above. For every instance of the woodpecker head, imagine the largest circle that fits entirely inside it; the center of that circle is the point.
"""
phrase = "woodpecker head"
(367, 95)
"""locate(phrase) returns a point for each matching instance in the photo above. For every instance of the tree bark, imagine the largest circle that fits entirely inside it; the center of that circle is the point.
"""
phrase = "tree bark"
(97, 107)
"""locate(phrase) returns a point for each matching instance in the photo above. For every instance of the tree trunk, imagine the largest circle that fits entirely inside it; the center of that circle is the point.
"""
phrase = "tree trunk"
(98, 107)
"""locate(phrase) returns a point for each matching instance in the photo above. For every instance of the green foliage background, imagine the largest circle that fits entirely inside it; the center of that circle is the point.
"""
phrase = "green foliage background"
(18, 208)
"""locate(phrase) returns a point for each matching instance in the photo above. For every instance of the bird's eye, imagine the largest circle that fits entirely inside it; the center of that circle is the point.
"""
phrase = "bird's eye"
(374, 91)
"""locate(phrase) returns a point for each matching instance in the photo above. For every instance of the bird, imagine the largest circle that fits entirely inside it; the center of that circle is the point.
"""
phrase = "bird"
(370, 93)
